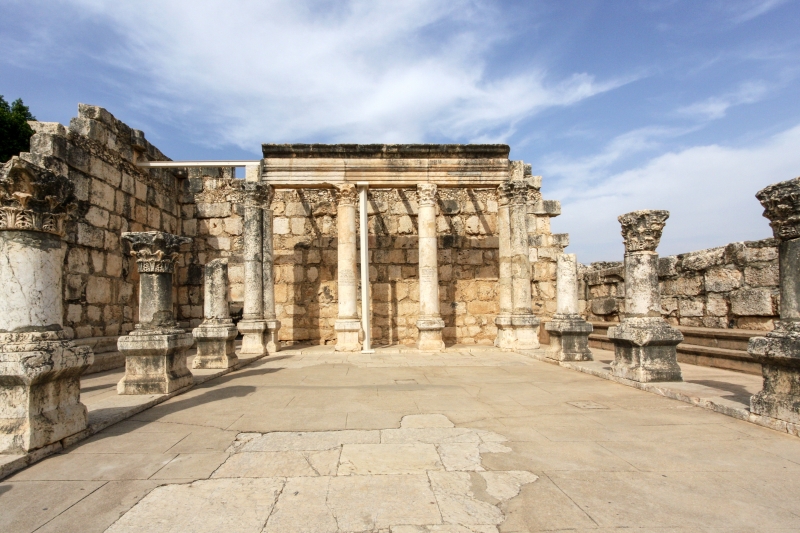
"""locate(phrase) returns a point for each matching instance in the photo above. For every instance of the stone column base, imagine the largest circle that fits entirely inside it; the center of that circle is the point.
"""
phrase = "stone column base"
(569, 338)
(252, 336)
(215, 345)
(273, 343)
(40, 389)
(155, 361)
(506, 340)
(348, 332)
(526, 332)
(644, 350)
(430, 334)
(779, 355)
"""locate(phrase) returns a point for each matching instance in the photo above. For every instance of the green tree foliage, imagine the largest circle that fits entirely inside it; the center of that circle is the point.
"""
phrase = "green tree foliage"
(15, 134)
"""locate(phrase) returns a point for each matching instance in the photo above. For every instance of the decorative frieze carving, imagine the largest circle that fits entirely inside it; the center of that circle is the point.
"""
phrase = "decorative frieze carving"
(155, 251)
(33, 198)
(781, 203)
(641, 230)
(519, 193)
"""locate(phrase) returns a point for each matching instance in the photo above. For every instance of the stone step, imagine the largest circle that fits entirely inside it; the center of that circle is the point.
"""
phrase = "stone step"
(712, 347)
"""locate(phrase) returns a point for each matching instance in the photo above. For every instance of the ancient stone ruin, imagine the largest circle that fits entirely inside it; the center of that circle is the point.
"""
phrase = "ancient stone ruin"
(109, 247)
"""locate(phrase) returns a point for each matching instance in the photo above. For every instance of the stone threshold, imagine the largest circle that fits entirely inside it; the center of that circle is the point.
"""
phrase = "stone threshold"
(109, 411)
(692, 393)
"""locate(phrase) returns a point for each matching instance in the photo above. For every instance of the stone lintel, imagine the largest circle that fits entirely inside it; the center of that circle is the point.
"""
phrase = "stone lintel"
(385, 151)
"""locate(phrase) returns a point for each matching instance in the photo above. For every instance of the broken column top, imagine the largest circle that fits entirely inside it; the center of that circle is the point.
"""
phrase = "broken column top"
(781, 203)
(641, 230)
(33, 198)
(155, 251)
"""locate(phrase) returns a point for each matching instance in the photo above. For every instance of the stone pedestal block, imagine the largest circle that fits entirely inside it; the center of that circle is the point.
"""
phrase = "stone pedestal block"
(155, 351)
(40, 384)
(273, 344)
(506, 339)
(569, 338)
(215, 345)
(430, 334)
(569, 333)
(526, 331)
(779, 350)
(644, 344)
(252, 336)
(39, 369)
(644, 350)
(215, 336)
(347, 335)
(155, 361)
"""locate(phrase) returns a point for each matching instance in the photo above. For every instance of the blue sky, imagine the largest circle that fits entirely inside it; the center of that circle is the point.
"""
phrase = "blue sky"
(690, 106)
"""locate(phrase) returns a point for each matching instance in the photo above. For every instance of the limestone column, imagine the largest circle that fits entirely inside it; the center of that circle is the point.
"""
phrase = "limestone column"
(39, 369)
(779, 350)
(155, 351)
(348, 325)
(268, 268)
(429, 323)
(252, 325)
(644, 344)
(216, 334)
(505, 332)
(569, 333)
(525, 324)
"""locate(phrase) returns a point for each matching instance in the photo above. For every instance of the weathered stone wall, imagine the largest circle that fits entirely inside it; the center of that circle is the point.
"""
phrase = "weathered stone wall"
(97, 153)
(305, 241)
(733, 286)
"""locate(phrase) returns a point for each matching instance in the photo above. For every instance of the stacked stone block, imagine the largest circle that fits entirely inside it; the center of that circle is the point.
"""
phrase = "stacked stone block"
(733, 286)
(97, 153)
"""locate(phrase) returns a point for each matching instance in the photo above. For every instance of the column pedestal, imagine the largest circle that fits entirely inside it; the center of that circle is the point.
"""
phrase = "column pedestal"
(569, 333)
(253, 332)
(215, 336)
(779, 350)
(40, 371)
(430, 334)
(273, 343)
(644, 344)
(155, 351)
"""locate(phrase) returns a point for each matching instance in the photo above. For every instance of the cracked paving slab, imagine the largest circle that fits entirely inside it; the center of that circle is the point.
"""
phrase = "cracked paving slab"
(425, 476)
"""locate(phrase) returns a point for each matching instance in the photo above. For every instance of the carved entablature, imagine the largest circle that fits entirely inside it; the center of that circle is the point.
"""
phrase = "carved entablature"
(641, 230)
(34, 199)
(426, 194)
(347, 194)
(781, 203)
(155, 251)
(504, 194)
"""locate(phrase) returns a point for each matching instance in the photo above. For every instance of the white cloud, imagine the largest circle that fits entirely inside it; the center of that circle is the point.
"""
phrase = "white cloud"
(750, 9)
(709, 191)
(357, 71)
(716, 107)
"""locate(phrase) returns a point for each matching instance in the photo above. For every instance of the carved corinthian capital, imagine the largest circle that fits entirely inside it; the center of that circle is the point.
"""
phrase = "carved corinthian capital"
(155, 251)
(504, 193)
(426, 194)
(519, 192)
(34, 199)
(347, 194)
(781, 203)
(641, 230)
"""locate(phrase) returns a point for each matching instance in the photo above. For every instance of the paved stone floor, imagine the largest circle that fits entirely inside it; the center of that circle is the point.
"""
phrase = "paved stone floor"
(470, 440)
